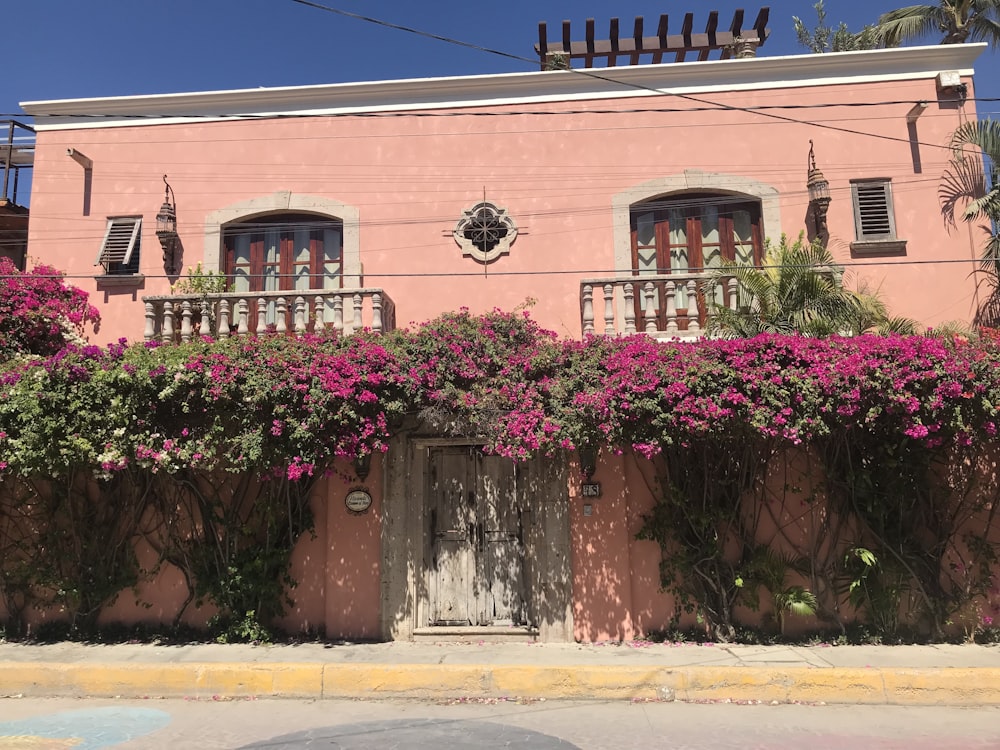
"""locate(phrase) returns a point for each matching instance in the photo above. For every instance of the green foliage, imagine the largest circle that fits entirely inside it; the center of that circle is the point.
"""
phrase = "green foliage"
(982, 192)
(958, 20)
(209, 452)
(800, 288)
(822, 38)
(201, 282)
(706, 541)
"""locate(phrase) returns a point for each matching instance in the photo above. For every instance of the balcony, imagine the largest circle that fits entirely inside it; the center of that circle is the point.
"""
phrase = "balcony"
(672, 306)
(178, 317)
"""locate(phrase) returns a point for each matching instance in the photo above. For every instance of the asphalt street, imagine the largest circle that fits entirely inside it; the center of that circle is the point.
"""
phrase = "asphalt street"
(246, 724)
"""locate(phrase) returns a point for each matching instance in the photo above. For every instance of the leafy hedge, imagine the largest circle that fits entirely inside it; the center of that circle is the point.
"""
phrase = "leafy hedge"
(235, 432)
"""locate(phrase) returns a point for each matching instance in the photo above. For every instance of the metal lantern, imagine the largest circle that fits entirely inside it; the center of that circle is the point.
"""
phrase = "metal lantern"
(166, 226)
(819, 194)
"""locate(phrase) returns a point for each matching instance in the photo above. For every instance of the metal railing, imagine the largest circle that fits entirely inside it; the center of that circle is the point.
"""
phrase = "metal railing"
(17, 152)
(179, 317)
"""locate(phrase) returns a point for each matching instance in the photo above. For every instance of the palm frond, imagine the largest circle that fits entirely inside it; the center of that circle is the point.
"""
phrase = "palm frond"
(985, 29)
(913, 22)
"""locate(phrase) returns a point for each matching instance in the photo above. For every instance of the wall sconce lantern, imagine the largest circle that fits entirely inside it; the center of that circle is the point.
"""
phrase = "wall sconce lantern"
(588, 461)
(362, 465)
(166, 228)
(819, 196)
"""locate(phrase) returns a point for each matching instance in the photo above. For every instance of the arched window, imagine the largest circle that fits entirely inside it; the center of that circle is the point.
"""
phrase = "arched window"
(681, 237)
(281, 252)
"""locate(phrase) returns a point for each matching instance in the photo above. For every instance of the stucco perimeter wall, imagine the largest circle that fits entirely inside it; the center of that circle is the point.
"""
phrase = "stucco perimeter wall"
(561, 169)
(336, 568)
(616, 577)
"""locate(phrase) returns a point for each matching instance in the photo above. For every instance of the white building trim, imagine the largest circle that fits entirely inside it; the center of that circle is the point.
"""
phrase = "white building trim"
(712, 76)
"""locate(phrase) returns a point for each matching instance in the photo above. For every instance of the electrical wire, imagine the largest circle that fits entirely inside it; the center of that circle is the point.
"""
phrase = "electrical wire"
(603, 274)
(588, 72)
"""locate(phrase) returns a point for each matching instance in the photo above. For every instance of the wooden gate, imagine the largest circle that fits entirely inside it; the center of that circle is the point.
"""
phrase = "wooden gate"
(476, 557)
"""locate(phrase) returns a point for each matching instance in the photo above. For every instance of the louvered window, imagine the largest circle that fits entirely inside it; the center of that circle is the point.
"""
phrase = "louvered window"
(873, 215)
(120, 248)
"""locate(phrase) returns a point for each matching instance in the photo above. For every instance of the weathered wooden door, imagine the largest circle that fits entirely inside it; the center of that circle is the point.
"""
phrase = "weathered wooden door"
(476, 555)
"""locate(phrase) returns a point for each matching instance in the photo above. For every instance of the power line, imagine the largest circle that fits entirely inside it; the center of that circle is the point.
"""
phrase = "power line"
(603, 274)
(591, 74)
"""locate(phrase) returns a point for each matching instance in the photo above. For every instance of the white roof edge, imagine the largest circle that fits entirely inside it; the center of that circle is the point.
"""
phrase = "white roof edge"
(498, 88)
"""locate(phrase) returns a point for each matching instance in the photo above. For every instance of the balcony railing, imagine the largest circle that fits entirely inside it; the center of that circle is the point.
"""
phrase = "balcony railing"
(178, 317)
(666, 306)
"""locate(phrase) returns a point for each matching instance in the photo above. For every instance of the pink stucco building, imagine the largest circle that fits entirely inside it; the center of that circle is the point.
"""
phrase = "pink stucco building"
(599, 199)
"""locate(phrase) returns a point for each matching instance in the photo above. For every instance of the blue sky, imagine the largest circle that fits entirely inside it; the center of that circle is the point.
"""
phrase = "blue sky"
(57, 49)
(67, 49)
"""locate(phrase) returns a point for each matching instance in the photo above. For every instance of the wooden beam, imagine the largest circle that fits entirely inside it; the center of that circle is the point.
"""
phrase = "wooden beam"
(613, 38)
(710, 29)
(636, 45)
(589, 58)
(686, 28)
(737, 26)
(543, 43)
(760, 24)
(637, 40)
(661, 38)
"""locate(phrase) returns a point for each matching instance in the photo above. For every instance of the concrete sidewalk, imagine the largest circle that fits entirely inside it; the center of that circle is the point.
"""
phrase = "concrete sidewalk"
(938, 674)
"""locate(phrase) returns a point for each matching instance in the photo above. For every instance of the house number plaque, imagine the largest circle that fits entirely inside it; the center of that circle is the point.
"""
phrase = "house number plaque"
(592, 489)
(358, 501)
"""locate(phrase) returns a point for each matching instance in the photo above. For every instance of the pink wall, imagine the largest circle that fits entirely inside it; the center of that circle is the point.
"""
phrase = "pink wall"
(352, 574)
(411, 178)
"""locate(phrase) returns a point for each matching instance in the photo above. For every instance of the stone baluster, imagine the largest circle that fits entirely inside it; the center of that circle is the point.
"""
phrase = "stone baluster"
(150, 330)
(694, 315)
(261, 316)
(377, 312)
(223, 319)
(186, 313)
(609, 309)
(243, 324)
(588, 309)
(733, 293)
(205, 327)
(628, 291)
(319, 309)
(356, 320)
(670, 292)
(300, 315)
(649, 313)
(280, 313)
(167, 330)
(338, 313)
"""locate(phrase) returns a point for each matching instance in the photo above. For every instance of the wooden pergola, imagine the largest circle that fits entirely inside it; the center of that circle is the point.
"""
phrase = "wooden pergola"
(638, 49)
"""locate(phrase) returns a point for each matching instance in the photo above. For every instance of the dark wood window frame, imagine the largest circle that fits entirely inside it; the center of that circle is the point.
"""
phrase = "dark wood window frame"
(286, 266)
(693, 206)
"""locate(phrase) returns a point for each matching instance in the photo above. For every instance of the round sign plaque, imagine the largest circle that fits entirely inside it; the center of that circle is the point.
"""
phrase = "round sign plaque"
(358, 501)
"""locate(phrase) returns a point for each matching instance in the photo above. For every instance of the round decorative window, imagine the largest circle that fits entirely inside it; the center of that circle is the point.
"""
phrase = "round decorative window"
(485, 232)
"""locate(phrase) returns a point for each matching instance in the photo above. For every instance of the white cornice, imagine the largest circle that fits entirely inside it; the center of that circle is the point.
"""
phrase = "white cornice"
(906, 63)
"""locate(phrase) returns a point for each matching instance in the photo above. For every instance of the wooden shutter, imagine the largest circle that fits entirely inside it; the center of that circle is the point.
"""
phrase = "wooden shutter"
(873, 215)
(120, 239)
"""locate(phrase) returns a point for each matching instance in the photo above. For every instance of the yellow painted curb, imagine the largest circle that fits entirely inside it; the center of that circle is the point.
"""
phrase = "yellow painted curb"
(177, 679)
(901, 686)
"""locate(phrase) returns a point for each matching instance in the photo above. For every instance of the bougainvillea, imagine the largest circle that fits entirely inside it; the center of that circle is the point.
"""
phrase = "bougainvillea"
(280, 410)
(39, 312)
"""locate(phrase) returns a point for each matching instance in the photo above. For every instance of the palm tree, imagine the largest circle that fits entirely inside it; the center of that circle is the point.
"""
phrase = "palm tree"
(798, 289)
(984, 203)
(959, 21)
